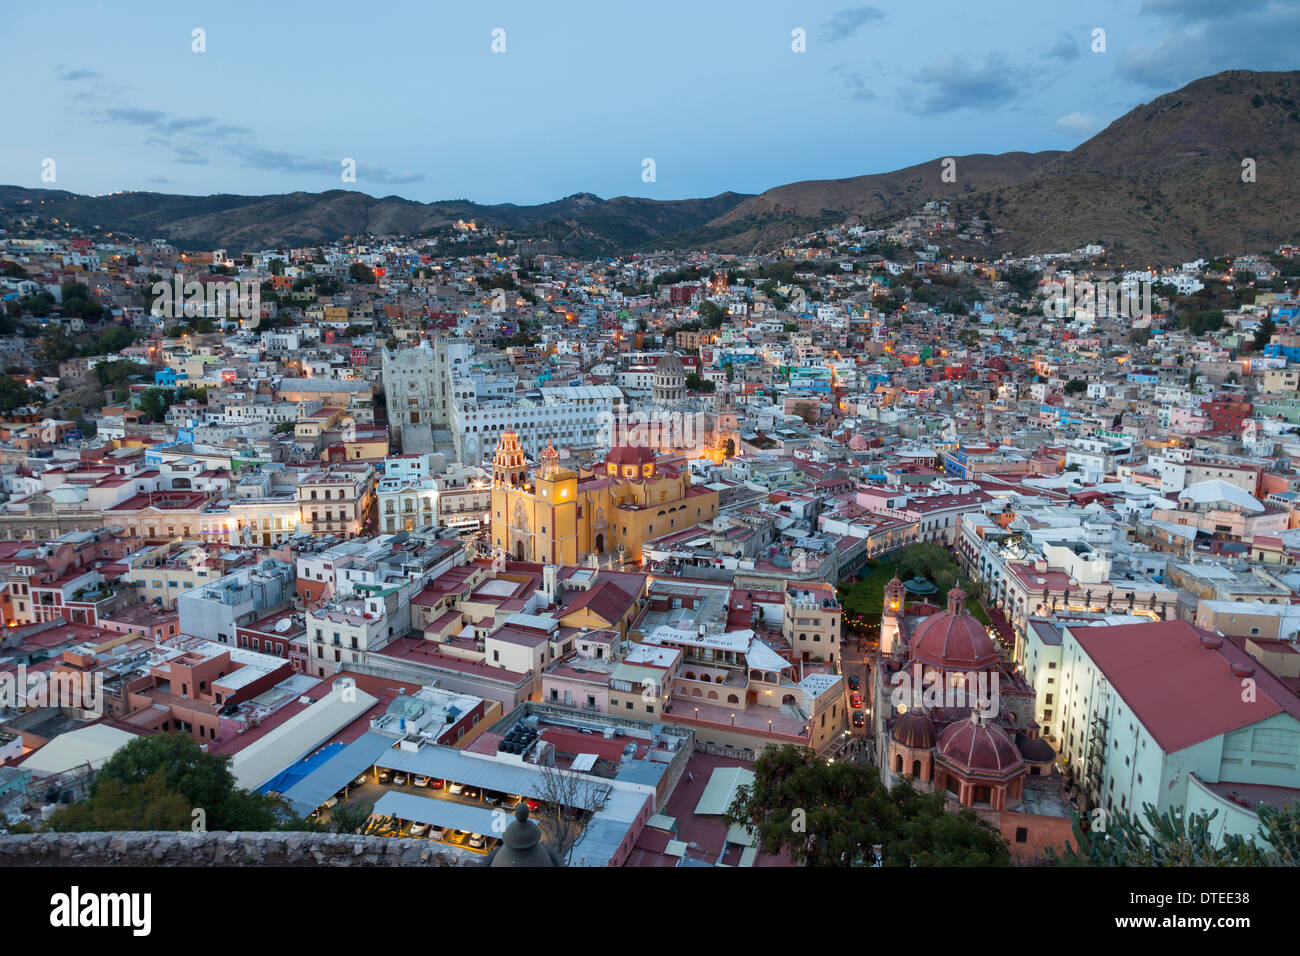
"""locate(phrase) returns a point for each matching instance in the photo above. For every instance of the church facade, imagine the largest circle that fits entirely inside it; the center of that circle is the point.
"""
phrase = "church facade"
(556, 515)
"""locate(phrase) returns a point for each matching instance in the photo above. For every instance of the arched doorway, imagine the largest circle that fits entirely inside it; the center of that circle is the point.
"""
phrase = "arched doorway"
(600, 544)
(519, 551)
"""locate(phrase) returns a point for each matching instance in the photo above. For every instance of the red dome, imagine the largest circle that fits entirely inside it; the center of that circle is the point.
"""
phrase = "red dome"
(630, 455)
(953, 640)
(979, 748)
(914, 729)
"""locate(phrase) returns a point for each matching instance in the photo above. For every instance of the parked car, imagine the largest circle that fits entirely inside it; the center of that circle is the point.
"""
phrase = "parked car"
(855, 699)
(385, 776)
(859, 718)
(492, 797)
(419, 829)
(360, 780)
(477, 841)
(456, 788)
(472, 792)
(421, 781)
(532, 804)
(436, 784)
(437, 833)
(400, 779)
(331, 801)
(854, 684)
(457, 836)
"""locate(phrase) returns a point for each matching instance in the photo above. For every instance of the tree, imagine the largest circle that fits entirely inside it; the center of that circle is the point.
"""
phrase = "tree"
(149, 804)
(57, 346)
(204, 780)
(116, 373)
(804, 410)
(1175, 838)
(350, 817)
(712, 314)
(14, 394)
(359, 272)
(154, 402)
(730, 450)
(841, 814)
(1264, 334)
(566, 798)
(1075, 385)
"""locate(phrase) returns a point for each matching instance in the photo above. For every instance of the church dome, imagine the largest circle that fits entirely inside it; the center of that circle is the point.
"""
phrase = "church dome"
(630, 455)
(670, 364)
(914, 729)
(857, 443)
(953, 640)
(979, 748)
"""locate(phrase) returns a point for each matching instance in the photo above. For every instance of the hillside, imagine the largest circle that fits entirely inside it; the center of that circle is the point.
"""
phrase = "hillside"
(1164, 180)
(1161, 183)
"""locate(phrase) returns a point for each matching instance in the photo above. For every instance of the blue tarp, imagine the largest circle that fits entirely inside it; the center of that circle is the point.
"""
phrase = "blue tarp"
(287, 778)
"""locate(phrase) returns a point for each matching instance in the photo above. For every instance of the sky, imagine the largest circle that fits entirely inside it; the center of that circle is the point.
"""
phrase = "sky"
(525, 102)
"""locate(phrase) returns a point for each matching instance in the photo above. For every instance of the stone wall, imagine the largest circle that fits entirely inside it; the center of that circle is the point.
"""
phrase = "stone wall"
(166, 848)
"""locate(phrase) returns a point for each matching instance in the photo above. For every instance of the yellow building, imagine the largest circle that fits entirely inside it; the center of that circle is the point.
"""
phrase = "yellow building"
(559, 516)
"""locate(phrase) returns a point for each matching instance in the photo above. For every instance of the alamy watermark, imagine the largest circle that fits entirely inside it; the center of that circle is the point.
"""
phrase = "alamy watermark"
(1126, 299)
(652, 429)
(932, 690)
(236, 298)
(57, 689)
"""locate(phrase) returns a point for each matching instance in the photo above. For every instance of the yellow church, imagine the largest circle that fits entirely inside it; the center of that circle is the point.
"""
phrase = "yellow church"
(559, 516)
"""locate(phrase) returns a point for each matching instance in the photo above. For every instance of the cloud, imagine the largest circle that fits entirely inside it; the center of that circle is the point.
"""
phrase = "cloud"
(1205, 38)
(1189, 11)
(193, 139)
(259, 157)
(1079, 125)
(1065, 49)
(952, 83)
(73, 75)
(160, 179)
(845, 23)
(855, 83)
(189, 156)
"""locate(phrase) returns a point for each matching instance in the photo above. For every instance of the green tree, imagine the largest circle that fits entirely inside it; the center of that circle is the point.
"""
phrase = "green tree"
(154, 402)
(116, 373)
(359, 272)
(1075, 385)
(712, 314)
(15, 394)
(203, 779)
(57, 346)
(149, 804)
(350, 817)
(1174, 838)
(731, 448)
(840, 814)
(1264, 334)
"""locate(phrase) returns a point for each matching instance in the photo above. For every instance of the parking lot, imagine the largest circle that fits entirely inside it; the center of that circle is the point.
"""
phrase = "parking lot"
(374, 787)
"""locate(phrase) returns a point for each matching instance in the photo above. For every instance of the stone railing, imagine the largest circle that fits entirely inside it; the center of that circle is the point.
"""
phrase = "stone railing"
(166, 848)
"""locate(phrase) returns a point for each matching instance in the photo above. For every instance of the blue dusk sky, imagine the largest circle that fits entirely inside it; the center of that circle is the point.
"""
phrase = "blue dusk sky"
(583, 92)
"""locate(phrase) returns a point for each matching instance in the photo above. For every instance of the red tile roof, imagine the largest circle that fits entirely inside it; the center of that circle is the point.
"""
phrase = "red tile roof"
(1182, 691)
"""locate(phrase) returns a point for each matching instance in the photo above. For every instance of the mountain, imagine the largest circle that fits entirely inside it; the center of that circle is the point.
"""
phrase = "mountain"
(1161, 183)
(1164, 181)
(583, 222)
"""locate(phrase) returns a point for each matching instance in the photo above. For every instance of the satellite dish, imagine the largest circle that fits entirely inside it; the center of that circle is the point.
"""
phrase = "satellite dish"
(283, 626)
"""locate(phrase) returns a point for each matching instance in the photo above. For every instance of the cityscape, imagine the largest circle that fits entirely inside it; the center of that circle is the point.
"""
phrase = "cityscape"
(941, 517)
